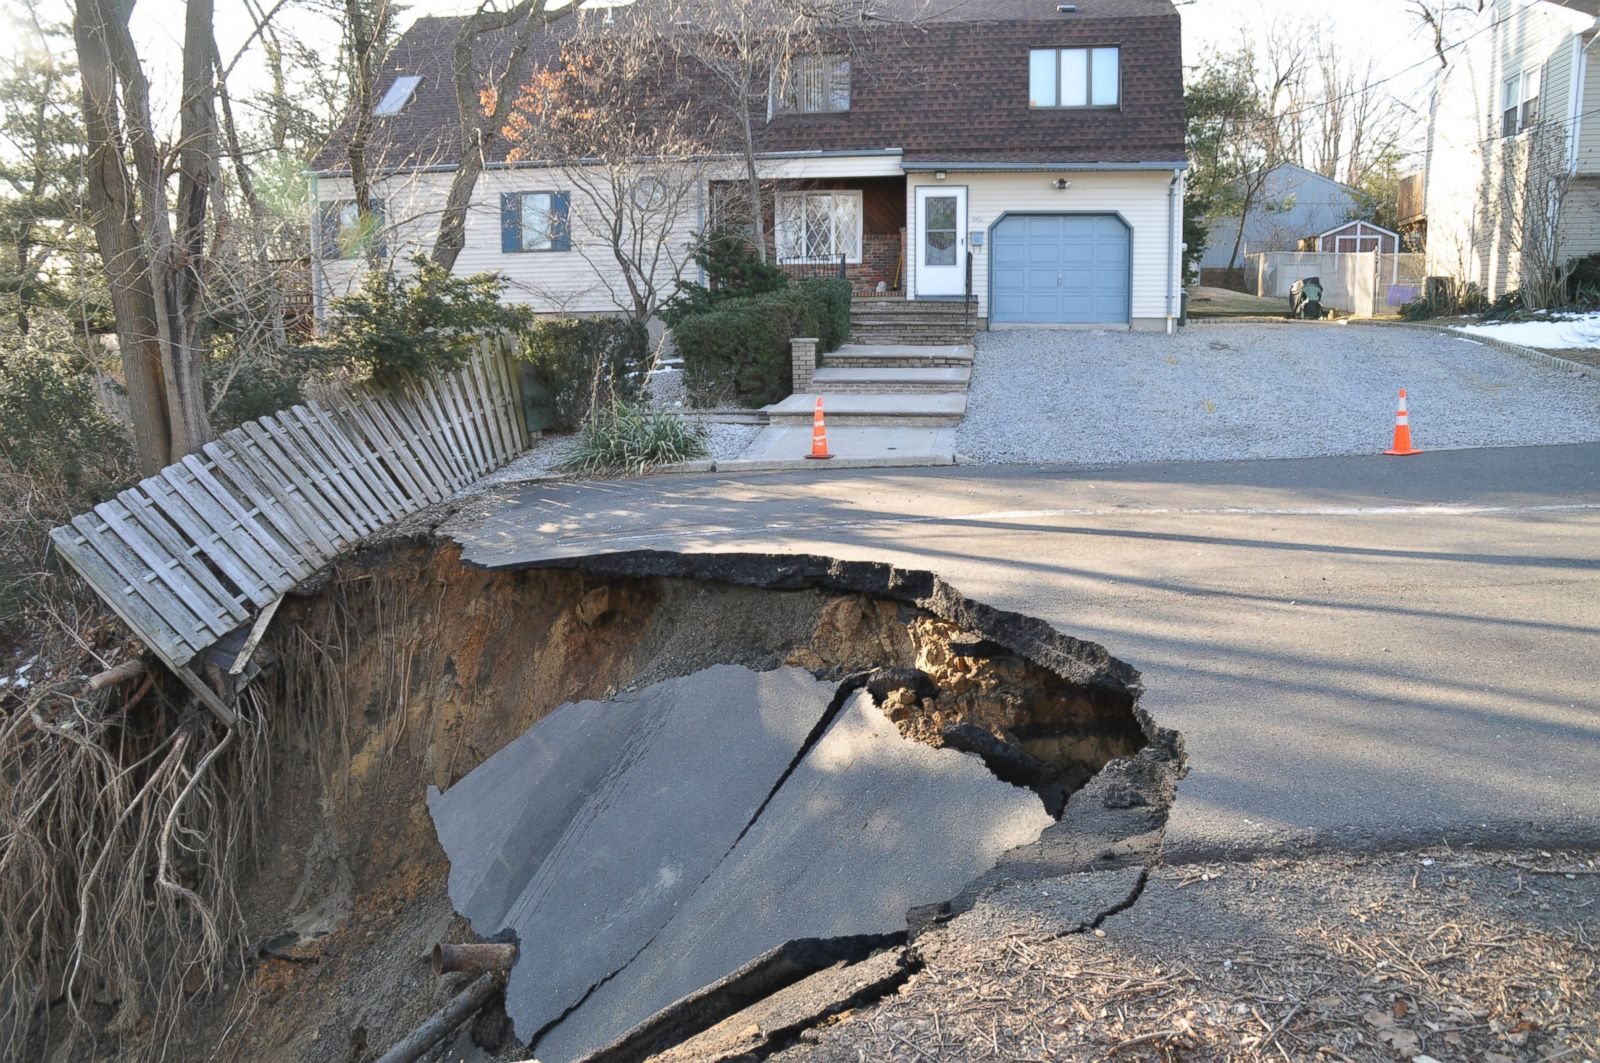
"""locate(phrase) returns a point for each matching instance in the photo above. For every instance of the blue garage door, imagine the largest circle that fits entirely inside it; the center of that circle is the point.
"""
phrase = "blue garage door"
(1060, 269)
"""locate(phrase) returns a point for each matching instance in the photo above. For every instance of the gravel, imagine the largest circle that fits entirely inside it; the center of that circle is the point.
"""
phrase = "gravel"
(550, 452)
(1257, 390)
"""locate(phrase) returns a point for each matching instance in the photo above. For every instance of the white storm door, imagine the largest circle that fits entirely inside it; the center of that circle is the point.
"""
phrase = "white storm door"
(941, 241)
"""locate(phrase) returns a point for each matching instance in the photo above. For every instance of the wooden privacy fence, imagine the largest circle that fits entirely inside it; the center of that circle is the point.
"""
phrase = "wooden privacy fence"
(198, 552)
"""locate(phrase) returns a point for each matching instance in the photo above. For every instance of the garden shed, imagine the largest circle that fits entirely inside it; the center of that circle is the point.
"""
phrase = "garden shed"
(1356, 237)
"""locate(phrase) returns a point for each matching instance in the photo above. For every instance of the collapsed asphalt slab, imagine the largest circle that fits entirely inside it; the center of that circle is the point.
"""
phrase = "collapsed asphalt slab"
(869, 825)
(644, 848)
(585, 834)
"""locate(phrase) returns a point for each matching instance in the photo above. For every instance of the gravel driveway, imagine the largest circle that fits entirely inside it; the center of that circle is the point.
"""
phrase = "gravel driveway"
(1257, 390)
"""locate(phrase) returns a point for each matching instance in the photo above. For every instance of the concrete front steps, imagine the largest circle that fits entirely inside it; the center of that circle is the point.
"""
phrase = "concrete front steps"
(936, 410)
(892, 380)
(899, 356)
(905, 321)
(885, 404)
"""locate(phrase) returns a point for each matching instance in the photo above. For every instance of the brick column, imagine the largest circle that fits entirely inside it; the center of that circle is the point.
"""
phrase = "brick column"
(803, 358)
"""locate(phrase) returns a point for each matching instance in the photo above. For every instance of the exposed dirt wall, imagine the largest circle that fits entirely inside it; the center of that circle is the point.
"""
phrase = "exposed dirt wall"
(407, 668)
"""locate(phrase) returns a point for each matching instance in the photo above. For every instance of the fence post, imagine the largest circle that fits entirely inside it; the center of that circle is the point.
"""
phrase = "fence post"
(803, 360)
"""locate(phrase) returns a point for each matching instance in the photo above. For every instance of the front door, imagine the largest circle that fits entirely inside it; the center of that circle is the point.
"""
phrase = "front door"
(941, 241)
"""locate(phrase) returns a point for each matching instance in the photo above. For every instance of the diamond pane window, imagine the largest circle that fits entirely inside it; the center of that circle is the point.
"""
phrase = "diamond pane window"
(818, 226)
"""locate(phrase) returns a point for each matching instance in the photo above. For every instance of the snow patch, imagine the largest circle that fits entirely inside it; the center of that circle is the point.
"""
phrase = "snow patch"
(1553, 333)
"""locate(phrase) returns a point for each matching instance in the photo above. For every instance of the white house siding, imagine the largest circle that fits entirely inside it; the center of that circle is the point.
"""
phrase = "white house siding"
(1588, 106)
(584, 280)
(1140, 197)
(1467, 199)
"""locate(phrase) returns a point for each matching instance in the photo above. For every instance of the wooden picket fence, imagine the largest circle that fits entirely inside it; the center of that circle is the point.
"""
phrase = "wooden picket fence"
(204, 550)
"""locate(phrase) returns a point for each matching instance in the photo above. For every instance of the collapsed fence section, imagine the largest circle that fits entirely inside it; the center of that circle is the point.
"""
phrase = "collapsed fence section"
(195, 554)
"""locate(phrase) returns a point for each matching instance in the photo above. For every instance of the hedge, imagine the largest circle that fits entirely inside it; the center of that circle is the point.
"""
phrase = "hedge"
(739, 350)
(579, 358)
(833, 299)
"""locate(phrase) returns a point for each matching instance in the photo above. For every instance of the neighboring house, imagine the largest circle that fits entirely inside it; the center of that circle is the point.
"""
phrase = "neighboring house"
(1355, 237)
(1045, 140)
(1525, 72)
(1293, 203)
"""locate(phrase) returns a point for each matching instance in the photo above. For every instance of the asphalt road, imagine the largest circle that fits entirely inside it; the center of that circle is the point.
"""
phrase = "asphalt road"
(1359, 651)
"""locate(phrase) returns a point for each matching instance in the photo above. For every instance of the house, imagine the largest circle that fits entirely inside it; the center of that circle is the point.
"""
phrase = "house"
(1355, 237)
(1025, 154)
(1293, 203)
(1516, 109)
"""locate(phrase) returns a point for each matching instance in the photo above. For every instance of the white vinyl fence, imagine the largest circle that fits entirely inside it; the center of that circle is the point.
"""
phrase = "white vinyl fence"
(1361, 284)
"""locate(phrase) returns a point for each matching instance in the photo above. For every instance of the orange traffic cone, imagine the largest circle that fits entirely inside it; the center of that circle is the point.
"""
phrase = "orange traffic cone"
(1402, 431)
(819, 435)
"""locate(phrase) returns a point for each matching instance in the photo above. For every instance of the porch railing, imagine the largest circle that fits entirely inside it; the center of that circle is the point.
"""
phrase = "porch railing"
(968, 302)
(817, 269)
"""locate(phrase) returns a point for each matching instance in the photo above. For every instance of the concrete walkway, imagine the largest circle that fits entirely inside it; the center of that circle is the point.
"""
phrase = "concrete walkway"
(1359, 651)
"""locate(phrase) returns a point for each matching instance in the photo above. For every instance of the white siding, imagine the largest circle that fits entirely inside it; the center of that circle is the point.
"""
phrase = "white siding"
(581, 281)
(1140, 197)
(1588, 110)
(1468, 201)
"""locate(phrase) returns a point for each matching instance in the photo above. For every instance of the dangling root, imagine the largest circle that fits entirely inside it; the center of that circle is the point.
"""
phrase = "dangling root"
(123, 834)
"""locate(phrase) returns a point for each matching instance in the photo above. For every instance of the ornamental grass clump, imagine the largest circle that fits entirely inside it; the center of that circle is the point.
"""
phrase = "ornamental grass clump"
(625, 438)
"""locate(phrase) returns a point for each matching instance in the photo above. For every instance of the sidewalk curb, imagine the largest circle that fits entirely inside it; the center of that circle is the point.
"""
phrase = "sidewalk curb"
(921, 461)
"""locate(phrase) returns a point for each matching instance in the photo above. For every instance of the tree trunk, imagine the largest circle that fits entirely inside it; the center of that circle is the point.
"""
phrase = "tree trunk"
(157, 279)
(111, 203)
(186, 274)
(364, 38)
(758, 220)
(478, 130)
(1244, 215)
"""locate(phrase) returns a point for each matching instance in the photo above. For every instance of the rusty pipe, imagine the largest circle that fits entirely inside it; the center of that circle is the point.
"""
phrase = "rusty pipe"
(472, 957)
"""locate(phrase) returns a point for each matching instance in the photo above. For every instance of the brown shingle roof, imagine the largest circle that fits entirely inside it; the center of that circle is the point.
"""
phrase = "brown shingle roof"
(944, 90)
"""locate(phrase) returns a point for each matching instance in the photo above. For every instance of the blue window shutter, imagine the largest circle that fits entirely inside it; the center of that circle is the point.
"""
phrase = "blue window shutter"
(510, 222)
(560, 231)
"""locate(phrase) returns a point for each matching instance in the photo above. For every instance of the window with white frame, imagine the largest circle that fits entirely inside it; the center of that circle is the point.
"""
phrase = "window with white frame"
(1074, 77)
(818, 227)
(1530, 96)
(813, 84)
(1519, 101)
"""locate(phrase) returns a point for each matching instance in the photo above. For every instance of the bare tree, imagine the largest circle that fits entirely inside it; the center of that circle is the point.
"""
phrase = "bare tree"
(1265, 125)
(1533, 183)
(154, 249)
(482, 109)
(617, 115)
(746, 48)
(1440, 21)
(367, 24)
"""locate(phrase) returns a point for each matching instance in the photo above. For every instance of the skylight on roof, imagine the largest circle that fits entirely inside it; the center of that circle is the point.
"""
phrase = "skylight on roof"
(399, 94)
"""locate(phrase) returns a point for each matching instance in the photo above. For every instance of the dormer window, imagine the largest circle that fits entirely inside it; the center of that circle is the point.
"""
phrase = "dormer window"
(813, 84)
(394, 101)
(1074, 77)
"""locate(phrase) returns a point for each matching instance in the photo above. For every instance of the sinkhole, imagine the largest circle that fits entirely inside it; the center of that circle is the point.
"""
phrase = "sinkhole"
(679, 783)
